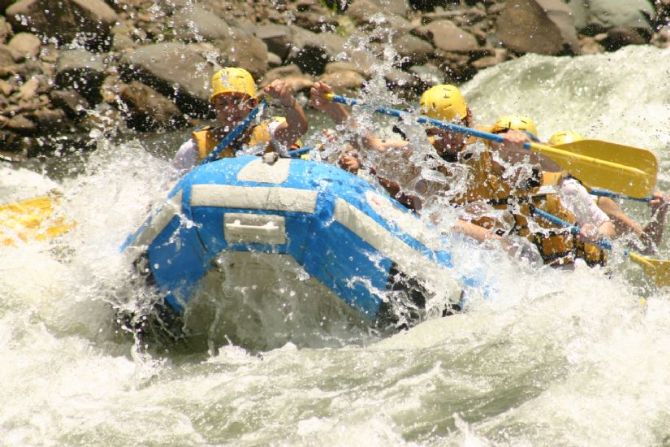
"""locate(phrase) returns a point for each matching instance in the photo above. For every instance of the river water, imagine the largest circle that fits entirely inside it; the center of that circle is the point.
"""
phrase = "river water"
(551, 358)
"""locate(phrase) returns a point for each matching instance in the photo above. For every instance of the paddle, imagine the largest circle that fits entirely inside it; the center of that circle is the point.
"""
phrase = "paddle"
(30, 219)
(657, 269)
(613, 195)
(233, 134)
(636, 180)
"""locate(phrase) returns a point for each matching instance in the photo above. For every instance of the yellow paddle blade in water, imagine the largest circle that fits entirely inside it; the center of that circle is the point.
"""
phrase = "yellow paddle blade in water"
(623, 169)
(657, 269)
(31, 219)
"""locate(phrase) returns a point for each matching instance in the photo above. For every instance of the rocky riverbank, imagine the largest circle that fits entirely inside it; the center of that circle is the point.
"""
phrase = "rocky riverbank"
(71, 69)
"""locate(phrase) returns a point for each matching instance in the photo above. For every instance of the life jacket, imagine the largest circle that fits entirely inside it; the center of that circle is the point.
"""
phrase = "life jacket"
(556, 245)
(206, 139)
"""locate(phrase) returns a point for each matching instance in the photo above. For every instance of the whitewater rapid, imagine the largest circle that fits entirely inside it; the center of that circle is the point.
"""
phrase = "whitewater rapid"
(568, 358)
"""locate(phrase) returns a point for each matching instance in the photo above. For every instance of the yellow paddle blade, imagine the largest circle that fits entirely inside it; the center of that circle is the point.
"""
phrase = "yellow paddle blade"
(31, 219)
(657, 269)
(627, 170)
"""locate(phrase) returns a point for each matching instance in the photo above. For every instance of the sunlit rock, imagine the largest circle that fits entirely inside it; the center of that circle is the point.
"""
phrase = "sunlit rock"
(242, 49)
(594, 16)
(72, 103)
(537, 26)
(445, 35)
(175, 70)
(276, 37)
(195, 24)
(86, 21)
(344, 81)
(311, 51)
(414, 49)
(26, 44)
(82, 71)
(147, 109)
(361, 10)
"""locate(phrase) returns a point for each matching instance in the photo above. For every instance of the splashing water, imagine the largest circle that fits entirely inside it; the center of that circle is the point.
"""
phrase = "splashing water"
(551, 357)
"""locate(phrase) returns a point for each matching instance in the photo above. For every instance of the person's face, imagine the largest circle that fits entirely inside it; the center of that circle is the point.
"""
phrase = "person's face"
(232, 108)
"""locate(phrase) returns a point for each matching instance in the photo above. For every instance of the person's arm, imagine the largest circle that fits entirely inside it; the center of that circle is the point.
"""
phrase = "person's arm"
(352, 163)
(339, 114)
(318, 98)
(659, 209)
(594, 222)
(512, 151)
(296, 125)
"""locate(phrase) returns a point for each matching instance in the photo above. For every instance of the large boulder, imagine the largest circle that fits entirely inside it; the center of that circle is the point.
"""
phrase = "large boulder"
(147, 109)
(5, 29)
(311, 51)
(413, 49)
(445, 35)
(26, 44)
(277, 38)
(86, 21)
(175, 70)
(595, 16)
(537, 26)
(195, 24)
(81, 71)
(361, 10)
(242, 49)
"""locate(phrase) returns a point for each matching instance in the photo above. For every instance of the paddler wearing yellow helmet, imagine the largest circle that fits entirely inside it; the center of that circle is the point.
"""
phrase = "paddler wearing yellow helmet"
(233, 96)
(652, 233)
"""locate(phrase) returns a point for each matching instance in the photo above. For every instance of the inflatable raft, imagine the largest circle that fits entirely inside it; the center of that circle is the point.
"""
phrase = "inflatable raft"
(313, 226)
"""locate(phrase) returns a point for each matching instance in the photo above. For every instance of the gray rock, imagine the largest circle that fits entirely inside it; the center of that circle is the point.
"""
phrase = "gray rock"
(245, 50)
(311, 52)
(281, 72)
(445, 35)
(195, 24)
(121, 39)
(6, 88)
(361, 10)
(147, 109)
(414, 49)
(427, 75)
(26, 44)
(71, 102)
(344, 81)
(29, 89)
(6, 56)
(277, 38)
(594, 16)
(175, 70)
(82, 71)
(618, 37)
(537, 26)
(316, 22)
(274, 60)
(87, 21)
(333, 67)
(400, 80)
(50, 120)
(364, 61)
(5, 29)
(20, 124)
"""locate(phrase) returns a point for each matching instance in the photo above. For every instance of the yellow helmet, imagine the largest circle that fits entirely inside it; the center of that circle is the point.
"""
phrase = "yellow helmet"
(564, 137)
(233, 80)
(444, 102)
(514, 122)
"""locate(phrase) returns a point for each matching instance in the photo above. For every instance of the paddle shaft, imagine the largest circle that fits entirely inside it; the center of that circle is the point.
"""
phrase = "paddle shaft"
(233, 134)
(548, 150)
(602, 243)
(612, 195)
